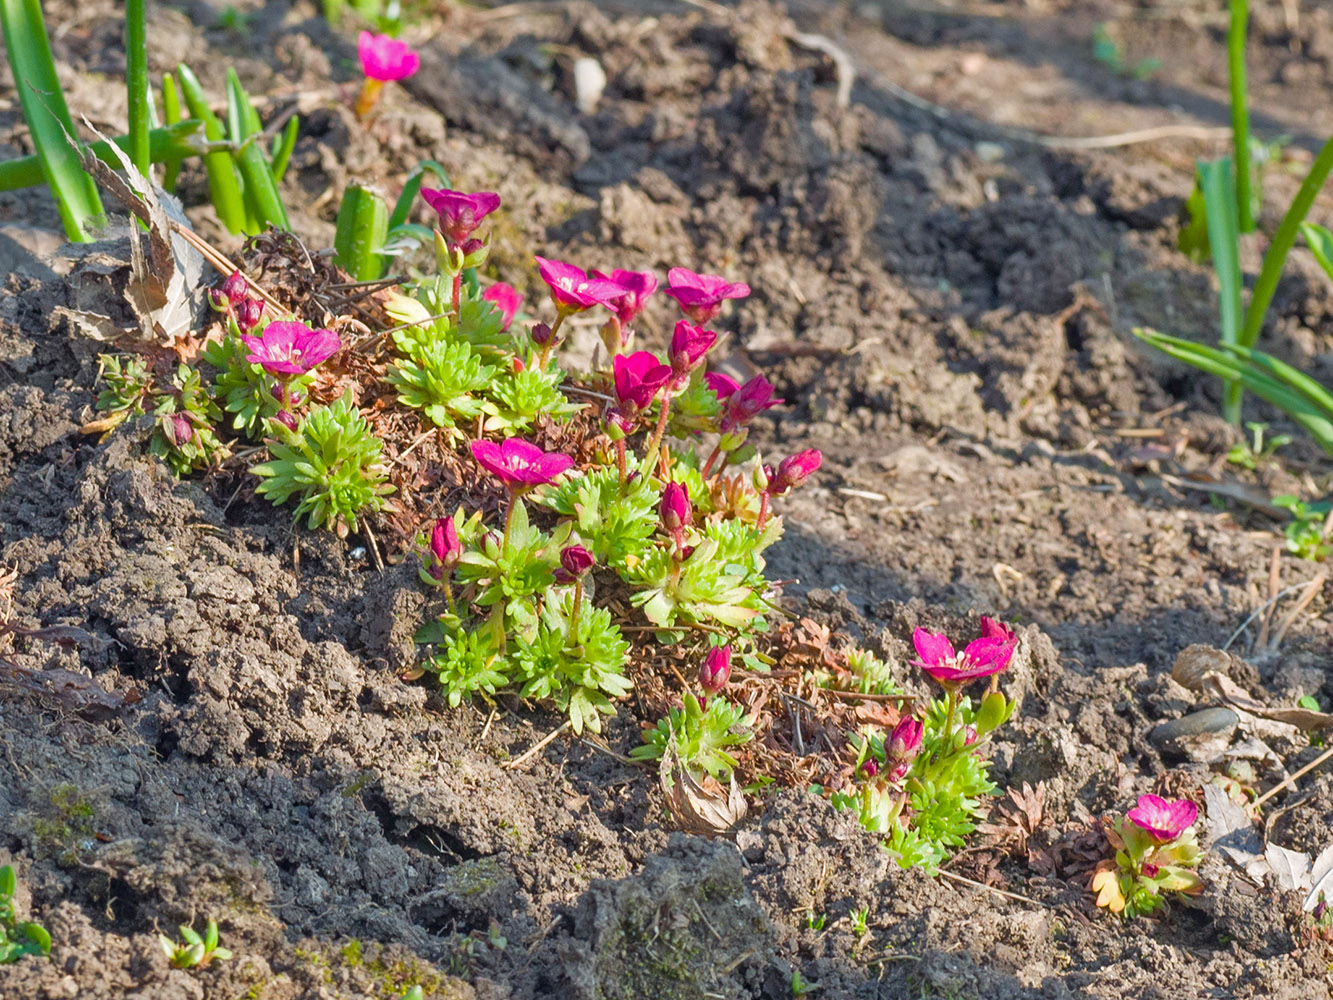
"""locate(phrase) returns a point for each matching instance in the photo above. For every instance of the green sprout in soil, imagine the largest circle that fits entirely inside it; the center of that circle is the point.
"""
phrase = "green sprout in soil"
(195, 951)
(1155, 850)
(1308, 530)
(17, 937)
(1250, 454)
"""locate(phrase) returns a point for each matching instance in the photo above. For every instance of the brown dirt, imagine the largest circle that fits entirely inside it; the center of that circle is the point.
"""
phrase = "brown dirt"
(946, 303)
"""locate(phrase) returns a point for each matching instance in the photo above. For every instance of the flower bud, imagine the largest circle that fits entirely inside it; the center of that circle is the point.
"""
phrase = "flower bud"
(611, 337)
(541, 334)
(869, 769)
(179, 429)
(796, 469)
(901, 748)
(675, 508)
(517, 364)
(249, 313)
(444, 546)
(217, 300)
(761, 477)
(715, 669)
(236, 288)
(285, 418)
(1150, 869)
(576, 560)
(475, 252)
(969, 736)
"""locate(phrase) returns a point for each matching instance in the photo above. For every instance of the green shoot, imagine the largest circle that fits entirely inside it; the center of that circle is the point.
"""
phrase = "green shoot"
(136, 80)
(47, 115)
(17, 938)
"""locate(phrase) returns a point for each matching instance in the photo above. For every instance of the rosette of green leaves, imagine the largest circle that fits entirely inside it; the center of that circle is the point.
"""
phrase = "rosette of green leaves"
(468, 662)
(721, 582)
(514, 577)
(518, 398)
(580, 673)
(701, 736)
(616, 527)
(128, 384)
(331, 463)
(189, 398)
(695, 409)
(442, 378)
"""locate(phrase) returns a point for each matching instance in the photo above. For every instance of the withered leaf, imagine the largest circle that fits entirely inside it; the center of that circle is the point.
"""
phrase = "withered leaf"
(700, 806)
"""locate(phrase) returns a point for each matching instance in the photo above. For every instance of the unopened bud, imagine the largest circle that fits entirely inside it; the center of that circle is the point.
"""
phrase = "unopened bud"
(715, 669)
(541, 334)
(249, 313)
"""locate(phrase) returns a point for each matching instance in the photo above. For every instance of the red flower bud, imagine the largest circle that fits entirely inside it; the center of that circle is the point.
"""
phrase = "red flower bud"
(675, 508)
(576, 560)
(794, 470)
(541, 334)
(249, 313)
(715, 669)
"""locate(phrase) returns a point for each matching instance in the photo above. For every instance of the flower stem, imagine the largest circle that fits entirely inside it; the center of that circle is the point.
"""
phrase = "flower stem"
(549, 346)
(620, 463)
(947, 744)
(572, 636)
(717, 450)
(763, 511)
(660, 429)
(449, 595)
(370, 93)
(457, 299)
(509, 521)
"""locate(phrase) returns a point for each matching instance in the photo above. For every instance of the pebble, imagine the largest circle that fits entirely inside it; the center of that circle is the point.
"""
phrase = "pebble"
(1200, 735)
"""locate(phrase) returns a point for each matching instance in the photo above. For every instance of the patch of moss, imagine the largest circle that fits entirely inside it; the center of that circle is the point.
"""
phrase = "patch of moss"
(65, 825)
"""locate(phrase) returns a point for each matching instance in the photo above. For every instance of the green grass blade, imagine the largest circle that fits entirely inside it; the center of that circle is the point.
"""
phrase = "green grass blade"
(223, 186)
(412, 187)
(1240, 112)
(1283, 240)
(173, 114)
(136, 83)
(261, 193)
(164, 144)
(1219, 197)
(1312, 390)
(363, 226)
(1317, 420)
(47, 115)
(1320, 242)
(282, 150)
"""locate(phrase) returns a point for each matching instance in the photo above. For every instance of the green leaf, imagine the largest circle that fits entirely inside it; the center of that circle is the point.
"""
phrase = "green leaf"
(47, 115)
(1320, 241)
(363, 226)
(1219, 194)
(223, 185)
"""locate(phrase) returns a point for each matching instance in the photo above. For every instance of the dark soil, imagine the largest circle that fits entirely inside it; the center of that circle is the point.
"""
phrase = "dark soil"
(945, 301)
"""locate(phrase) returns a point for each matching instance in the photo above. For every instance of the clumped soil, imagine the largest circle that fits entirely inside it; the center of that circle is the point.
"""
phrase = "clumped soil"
(946, 304)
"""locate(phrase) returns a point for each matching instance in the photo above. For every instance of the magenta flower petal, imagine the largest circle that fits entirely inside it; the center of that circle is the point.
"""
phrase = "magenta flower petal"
(1163, 820)
(794, 470)
(747, 402)
(288, 347)
(573, 290)
(701, 295)
(637, 287)
(686, 352)
(638, 379)
(520, 464)
(384, 58)
(933, 648)
(460, 214)
(722, 385)
(505, 298)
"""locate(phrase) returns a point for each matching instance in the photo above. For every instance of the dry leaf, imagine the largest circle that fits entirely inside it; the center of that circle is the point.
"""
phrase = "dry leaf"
(1321, 880)
(701, 807)
(162, 283)
(75, 692)
(1205, 669)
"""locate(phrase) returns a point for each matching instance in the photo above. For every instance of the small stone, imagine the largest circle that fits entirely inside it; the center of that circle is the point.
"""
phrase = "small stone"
(1199, 736)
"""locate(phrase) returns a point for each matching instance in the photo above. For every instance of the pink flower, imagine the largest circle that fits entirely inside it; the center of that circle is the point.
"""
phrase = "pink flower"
(505, 298)
(384, 58)
(572, 290)
(290, 347)
(444, 546)
(520, 464)
(460, 214)
(796, 469)
(992, 629)
(747, 402)
(637, 287)
(701, 295)
(688, 346)
(722, 385)
(675, 508)
(715, 669)
(1163, 820)
(982, 657)
(639, 377)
